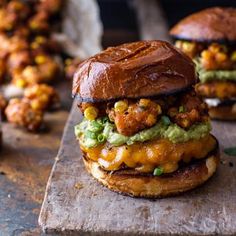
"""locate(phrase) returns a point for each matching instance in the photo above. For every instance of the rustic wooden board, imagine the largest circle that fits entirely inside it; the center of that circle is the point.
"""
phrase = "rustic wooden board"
(26, 160)
(95, 210)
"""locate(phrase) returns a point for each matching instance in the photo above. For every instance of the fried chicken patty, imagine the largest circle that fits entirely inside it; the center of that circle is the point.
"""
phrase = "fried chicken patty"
(191, 110)
(217, 89)
(212, 56)
(132, 116)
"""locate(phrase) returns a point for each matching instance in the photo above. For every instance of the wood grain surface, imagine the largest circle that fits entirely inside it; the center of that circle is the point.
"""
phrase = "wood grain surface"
(75, 203)
(26, 160)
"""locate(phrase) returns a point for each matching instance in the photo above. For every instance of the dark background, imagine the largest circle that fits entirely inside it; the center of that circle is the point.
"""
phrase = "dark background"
(120, 23)
(177, 9)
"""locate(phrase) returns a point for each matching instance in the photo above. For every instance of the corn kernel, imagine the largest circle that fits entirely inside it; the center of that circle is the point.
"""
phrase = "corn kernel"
(35, 104)
(34, 45)
(121, 106)
(68, 61)
(33, 25)
(151, 119)
(43, 97)
(221, 56)
(233, 56)
(178, 43)
(29, 71)
(21, 83)
(185, 123)
(91, 113)
(206, 54)
(40, 59)
(40, 39)
(187, 46)
(214, 48)
(158, 109)
(144, 102)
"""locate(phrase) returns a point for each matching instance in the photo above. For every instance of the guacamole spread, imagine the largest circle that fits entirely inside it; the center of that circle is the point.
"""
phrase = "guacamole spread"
(210, 75)
(93, 133)
(223, 75)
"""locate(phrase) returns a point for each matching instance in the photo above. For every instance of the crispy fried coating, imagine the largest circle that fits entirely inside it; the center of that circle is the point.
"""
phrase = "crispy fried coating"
(191, 49)
(20, 113)
(134, 117)
(39, 23)
(191, 109)
(217, 89)
(27, 58)
(216, 57)
(131, 116)
(42, 97)
(14, 12)
(212, 56)
(18, 60)
(11, 45)
(45, 70)
(49, 6)
(42, 44)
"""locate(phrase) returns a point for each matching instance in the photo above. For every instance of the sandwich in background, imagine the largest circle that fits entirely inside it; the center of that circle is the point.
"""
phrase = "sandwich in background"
(209, 38)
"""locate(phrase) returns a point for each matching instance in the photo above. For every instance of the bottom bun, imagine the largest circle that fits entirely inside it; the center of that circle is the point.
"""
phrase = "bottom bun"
(136, 184)
(223, 112)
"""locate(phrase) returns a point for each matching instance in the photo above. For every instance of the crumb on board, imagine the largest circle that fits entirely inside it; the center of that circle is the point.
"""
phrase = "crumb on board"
(223, 162)
(78, 186)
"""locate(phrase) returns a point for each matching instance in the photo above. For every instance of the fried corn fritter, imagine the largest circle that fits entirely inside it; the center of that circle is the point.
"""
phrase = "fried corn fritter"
(217, 89)
(131, 116)
(21, 113)
(28, 58)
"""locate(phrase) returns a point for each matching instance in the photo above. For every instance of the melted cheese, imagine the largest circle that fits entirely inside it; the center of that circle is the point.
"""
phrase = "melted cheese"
(145, 157)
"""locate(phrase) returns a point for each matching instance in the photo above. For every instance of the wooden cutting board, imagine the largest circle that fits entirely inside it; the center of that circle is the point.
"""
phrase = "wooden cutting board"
(75, 203)
(26, 160)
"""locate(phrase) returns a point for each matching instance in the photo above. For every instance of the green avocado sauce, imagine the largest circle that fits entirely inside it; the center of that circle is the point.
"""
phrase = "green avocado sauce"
(93, 133)
(210, 75)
